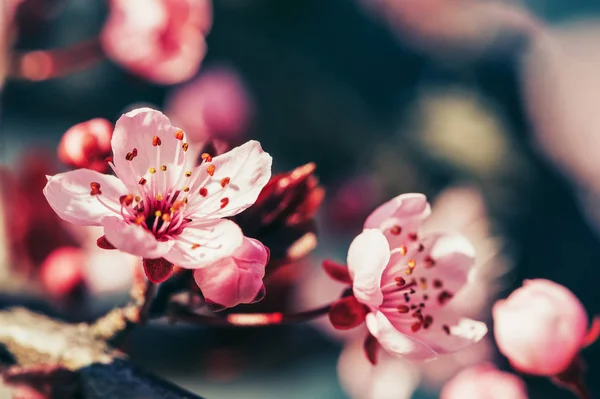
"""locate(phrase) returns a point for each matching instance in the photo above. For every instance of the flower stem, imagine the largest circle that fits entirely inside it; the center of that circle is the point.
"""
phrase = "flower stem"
(41, 65)
(573, 379)
(118, 321)
(181, 313)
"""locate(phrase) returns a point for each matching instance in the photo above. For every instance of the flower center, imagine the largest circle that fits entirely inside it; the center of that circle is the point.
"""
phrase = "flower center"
(412, 286)
(168, 202)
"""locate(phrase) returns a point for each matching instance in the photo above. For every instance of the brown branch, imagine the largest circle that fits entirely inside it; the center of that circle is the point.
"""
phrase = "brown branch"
(115, 324)
(73, 353)
(49, 64)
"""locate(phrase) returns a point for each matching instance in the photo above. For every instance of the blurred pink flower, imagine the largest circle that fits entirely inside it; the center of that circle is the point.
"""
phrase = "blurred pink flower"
(484, 382)
(215, 105)
(402, 283)
(352, 202)
(86, 145)
(160, 40)
(7, 34)
(540, 327)
(62, 271)
(454, 27)
(38, 236)
(156, 208)
(390, 378)
(235, 279)
(561, 87)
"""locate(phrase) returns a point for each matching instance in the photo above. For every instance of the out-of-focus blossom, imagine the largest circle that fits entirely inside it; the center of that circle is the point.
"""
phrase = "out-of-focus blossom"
(34, 247)
(484, 382)
(215, 105)
(235, 279)
(390, 378)
(540, 327)
(7, 13)
(561, 87)
(159, 40)
(87, 145)
(62, 271)
(352, 202)
(157, 208)
(402, 282)
(455, 28)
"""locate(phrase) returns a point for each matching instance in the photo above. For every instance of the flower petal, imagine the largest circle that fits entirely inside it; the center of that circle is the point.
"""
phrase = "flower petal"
(136, 130)
(202, 245)
(446, 334)
(394, 341)
(235, 279)
(246, 168)
(69, 195)
(400, 217)
(368, 256)
(134, 239)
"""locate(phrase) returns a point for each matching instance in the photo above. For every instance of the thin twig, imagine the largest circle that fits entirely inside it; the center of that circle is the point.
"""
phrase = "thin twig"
(118, 321)
(48, 64)
(181, 313)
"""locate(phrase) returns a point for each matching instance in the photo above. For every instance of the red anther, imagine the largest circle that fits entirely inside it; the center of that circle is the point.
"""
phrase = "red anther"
(225, 181)
(179, 135)
(224, 202)
(206, 157)
(211, 169)
(95, 188)
(126, 200)
(156, 141)
(203, 192)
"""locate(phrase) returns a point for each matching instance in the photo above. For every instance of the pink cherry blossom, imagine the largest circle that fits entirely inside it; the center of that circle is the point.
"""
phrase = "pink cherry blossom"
(235, 279)
(390, 378)
(156, 207)
(86, 144)
(540, 327)
(61, 272)
(484, 382)
(404, 282)
(160, 40)
(215, 105)
(454, 28)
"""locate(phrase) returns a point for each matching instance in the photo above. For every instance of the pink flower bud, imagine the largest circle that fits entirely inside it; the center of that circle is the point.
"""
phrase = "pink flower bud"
(62, 272)
(86, 145)
(540, 327)
(484, 382)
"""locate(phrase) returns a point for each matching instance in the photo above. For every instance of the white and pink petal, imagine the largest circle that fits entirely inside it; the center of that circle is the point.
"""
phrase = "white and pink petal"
(368, 256)
(231, 182)
(400, 218)
(447, 333)
(201, 245)
(134, 239)
(70, 195)
(145, 138)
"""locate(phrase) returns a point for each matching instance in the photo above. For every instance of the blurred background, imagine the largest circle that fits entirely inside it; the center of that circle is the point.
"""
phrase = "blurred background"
(488, 107)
